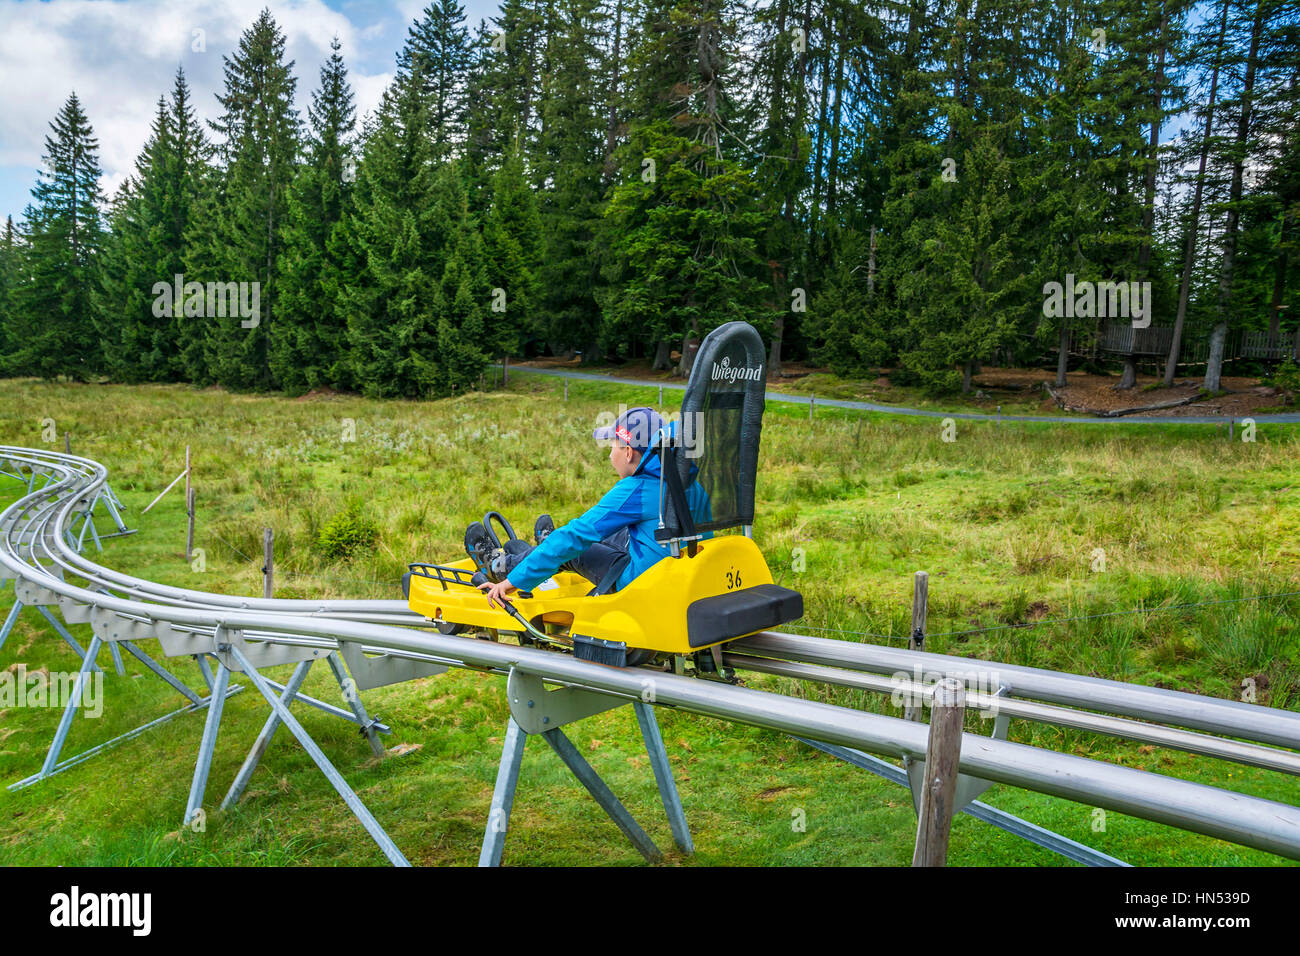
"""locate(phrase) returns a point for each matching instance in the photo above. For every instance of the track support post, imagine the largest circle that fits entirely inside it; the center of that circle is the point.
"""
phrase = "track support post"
(943, 752)
(534, 710)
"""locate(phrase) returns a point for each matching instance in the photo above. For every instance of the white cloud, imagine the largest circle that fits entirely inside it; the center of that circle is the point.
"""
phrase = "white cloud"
(119, 57)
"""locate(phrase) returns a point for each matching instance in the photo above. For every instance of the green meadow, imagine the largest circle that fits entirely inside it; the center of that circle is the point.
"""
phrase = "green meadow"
(1036, 537)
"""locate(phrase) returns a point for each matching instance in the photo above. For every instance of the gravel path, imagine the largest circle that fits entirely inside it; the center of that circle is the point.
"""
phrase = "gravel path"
(1287, 418)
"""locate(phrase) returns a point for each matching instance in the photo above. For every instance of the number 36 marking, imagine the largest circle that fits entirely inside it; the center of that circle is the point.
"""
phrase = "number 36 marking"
(733, 580)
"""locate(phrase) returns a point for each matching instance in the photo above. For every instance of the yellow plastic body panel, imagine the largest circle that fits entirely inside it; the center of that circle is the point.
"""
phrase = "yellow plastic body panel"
(649, 613)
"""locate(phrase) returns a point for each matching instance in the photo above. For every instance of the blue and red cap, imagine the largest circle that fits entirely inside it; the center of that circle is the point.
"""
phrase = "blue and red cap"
(636, 428)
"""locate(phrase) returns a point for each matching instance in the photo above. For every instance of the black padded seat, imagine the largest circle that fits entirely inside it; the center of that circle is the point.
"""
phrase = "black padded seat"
(724, 616)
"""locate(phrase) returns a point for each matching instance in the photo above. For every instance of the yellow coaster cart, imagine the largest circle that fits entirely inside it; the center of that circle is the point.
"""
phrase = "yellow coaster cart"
(709, 590)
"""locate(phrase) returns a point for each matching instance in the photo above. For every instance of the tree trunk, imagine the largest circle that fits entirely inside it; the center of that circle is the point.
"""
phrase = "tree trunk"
(967, 370)
(1189, 256)
(1215, 368)
(1063, 353)
(832, 166)
(774, 353)
(1129, 378)
(1275, 304)
(661, 362)
(871, 265)
(612, 127)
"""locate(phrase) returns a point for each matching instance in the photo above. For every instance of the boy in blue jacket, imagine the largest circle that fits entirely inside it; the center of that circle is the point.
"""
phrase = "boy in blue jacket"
(613, 542)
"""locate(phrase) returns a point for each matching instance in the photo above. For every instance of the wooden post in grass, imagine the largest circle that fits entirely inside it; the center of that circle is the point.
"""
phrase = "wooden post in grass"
(189, 519)
(942, 755)
(268, 562)
(661, 396)
(916, 639)
(67, 443)
(505, 366)
(812, 399)
(566, 389)
(189, 509)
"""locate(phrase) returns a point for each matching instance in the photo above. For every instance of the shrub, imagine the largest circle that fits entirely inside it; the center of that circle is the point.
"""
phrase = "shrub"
(1287, 380)
(348, 534)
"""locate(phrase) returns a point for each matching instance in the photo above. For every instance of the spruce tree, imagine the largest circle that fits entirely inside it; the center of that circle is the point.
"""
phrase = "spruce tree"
(680, 228)
(460, 303)
(393, 233)
(260, 131)
(54, 330)
(512, 246)
(9, 252)
(147, 243)
(438, 49)
(568, 159)
(308, 341)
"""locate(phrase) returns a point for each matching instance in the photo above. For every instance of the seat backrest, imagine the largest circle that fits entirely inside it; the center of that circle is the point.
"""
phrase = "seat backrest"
(715, 460)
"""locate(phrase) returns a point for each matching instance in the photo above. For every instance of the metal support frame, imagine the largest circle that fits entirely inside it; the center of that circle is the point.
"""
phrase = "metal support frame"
(281, 710)
(536, 711)
(1049, 840)
(53, 765)
(968, 787)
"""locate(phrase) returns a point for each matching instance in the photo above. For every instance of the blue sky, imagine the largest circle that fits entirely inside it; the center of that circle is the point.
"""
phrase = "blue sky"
(119, 55)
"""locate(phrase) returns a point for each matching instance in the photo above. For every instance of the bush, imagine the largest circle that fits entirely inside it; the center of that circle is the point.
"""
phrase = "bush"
(348, 534)
(1287, 380)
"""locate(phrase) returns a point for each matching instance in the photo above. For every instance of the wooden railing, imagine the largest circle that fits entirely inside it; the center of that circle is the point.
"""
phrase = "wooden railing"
(1121, 338)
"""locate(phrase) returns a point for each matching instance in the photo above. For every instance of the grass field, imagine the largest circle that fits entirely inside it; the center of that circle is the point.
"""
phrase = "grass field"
(1014, 523)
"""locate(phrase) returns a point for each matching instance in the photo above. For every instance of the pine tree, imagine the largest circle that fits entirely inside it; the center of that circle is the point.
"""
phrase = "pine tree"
(512, 245)
(568, 161)
(438, 49)
(462, 293)
(9, 274)
(308, 341)
(395, 236)
(146, 246)
(680, 228)
(54, 331)
(260, 131)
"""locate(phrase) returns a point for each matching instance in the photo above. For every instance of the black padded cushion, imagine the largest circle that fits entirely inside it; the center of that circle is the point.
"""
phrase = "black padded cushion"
(725, 616)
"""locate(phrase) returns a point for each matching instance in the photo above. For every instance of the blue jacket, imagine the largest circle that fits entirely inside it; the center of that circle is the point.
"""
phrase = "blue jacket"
(632, 503)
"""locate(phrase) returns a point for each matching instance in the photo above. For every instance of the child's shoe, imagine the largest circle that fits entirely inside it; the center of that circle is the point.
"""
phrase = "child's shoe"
(542, 528)
(479, 546)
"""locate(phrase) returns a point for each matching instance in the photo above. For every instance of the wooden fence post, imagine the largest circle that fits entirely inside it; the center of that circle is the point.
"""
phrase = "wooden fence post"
(916, 639)
(812, 400)
(67, 443)
(189, 532)
(268, 562)
(942, 756)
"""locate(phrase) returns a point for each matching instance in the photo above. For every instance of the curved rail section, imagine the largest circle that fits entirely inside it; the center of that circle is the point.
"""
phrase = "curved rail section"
(382, 643)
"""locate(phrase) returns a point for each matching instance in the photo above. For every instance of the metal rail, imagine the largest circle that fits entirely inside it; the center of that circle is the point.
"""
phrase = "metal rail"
(35, 551)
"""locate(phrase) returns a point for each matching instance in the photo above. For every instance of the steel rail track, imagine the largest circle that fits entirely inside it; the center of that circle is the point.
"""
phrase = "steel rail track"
(32, 533)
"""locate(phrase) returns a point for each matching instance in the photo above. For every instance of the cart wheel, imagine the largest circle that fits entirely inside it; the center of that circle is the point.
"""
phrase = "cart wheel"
(451, 627)
(639, 656)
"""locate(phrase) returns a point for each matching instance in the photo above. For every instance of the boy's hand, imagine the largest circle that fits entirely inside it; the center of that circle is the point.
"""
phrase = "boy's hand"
(497, 592)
